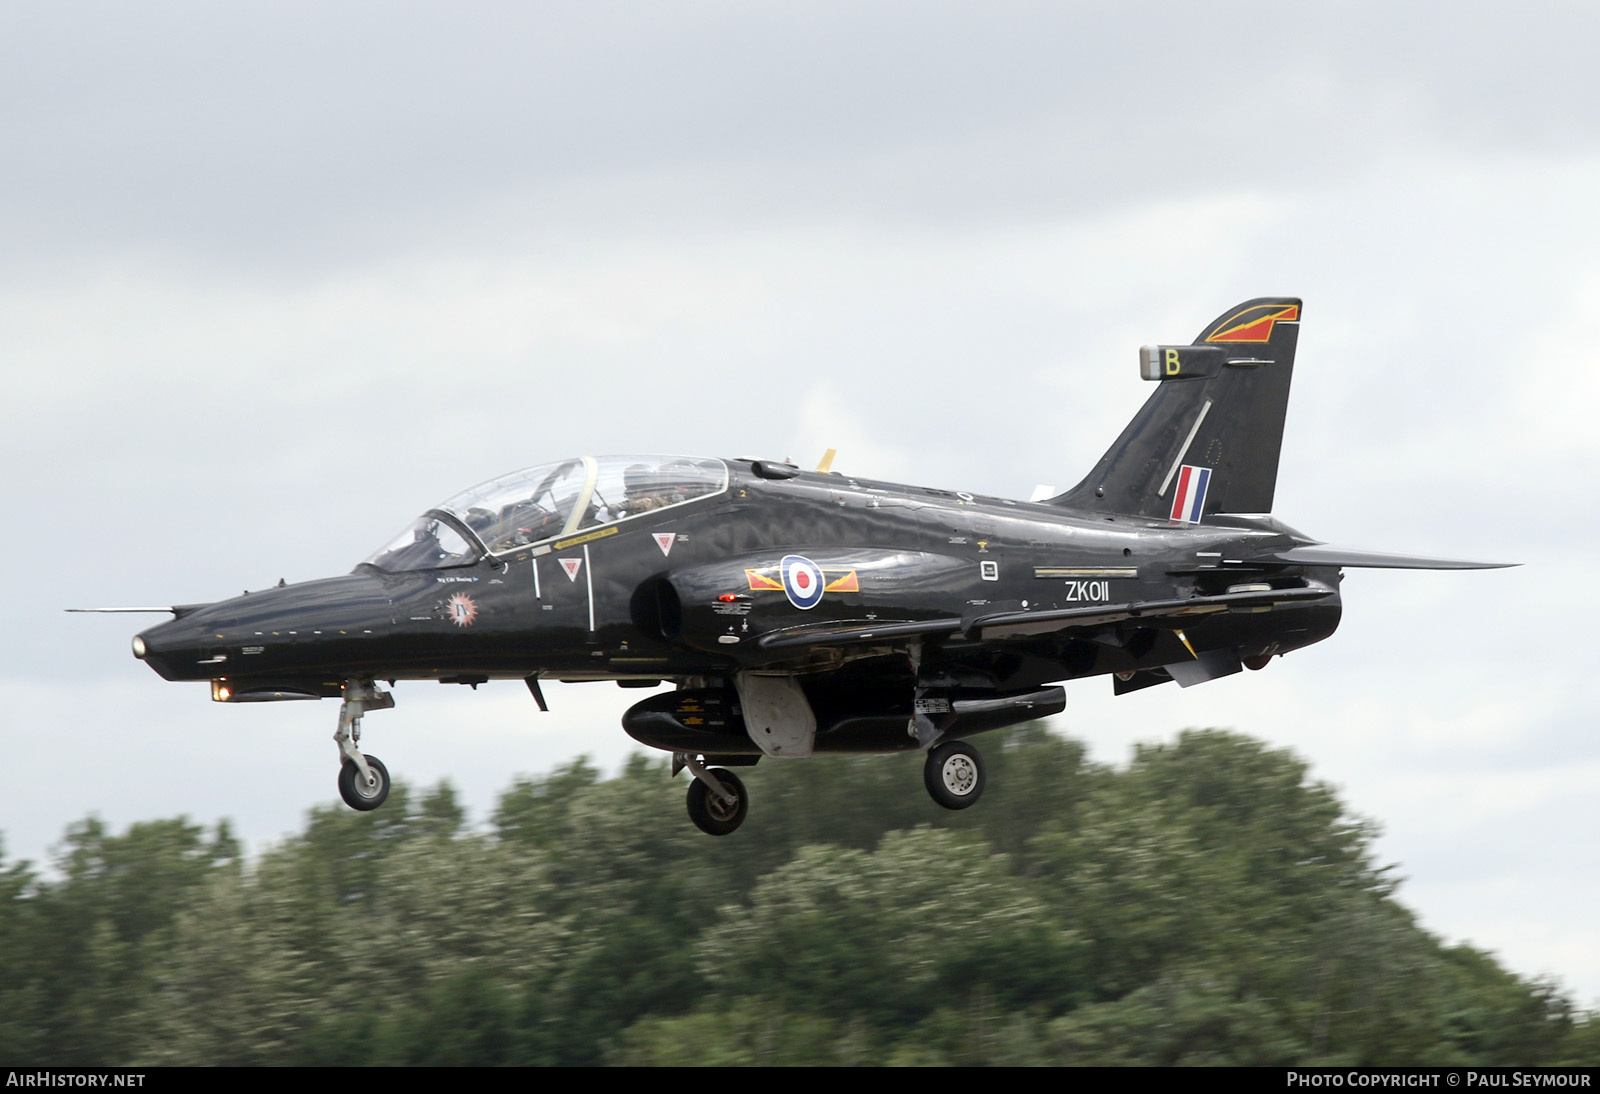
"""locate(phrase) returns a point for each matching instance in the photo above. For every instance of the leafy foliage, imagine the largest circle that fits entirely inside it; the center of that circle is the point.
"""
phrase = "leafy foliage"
(1209, 904)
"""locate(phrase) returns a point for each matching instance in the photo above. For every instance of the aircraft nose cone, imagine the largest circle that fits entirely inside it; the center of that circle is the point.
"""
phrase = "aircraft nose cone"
(173, 648)
(262, 628)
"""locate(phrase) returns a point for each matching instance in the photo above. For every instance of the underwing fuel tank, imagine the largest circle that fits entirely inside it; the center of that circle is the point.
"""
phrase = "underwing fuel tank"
(710, 721)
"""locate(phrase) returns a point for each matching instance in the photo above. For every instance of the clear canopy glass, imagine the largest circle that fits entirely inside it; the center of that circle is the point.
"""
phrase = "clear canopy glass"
(541, 503)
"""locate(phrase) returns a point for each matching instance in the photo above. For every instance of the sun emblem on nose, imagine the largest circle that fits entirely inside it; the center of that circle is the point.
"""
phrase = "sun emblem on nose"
(461, 610)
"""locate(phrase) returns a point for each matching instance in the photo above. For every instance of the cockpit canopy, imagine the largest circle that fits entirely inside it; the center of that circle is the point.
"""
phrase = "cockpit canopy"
(541, 503)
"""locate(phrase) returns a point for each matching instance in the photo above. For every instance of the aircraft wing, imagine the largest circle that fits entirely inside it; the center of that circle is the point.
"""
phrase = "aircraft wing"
(1025, 624)
(849, 634)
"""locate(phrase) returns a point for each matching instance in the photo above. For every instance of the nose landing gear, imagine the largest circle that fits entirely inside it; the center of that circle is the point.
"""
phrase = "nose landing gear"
(363, 780)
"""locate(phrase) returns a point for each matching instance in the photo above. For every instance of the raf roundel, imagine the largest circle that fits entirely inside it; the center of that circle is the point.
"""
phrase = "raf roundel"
(802, 581)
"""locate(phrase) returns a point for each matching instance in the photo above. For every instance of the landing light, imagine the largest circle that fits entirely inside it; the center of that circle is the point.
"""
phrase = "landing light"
(220, 691)
(138, 647)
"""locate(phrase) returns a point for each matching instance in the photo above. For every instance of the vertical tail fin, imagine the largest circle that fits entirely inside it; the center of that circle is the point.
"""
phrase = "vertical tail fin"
(1207, 440)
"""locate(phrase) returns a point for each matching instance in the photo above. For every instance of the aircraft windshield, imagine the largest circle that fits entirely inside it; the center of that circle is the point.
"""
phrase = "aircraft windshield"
(524, 506)
(544, 502)
(429, 544)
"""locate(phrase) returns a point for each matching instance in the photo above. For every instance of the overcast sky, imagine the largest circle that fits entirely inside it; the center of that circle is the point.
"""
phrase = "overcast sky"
(274, 278)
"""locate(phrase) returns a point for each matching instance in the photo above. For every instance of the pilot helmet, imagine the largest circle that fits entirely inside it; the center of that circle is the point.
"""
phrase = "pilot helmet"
(639, 478)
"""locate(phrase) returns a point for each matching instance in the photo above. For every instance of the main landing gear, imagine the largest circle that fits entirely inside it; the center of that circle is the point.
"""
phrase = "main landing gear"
(953, 770)
(953, 774)
(718, 800)
(363, 780)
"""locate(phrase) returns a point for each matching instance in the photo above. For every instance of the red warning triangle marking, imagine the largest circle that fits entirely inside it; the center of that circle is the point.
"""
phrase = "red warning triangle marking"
(664, 540)
(572, 566)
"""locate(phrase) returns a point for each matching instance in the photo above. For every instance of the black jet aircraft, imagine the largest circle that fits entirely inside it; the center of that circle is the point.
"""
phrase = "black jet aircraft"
(801, 612)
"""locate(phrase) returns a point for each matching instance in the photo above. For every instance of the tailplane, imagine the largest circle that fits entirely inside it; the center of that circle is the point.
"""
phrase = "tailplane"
(1207, 440)
(1320, 554)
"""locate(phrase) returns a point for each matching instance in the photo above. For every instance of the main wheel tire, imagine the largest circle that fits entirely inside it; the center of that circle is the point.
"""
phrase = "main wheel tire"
(357, 792)
(711, 814)
(953, 774)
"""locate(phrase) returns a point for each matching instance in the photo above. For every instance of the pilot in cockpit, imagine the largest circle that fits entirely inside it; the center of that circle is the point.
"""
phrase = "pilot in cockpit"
(643, 489)
(480, 520)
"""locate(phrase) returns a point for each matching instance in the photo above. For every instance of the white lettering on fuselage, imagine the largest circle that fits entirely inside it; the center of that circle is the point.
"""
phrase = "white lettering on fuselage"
(1096, 591)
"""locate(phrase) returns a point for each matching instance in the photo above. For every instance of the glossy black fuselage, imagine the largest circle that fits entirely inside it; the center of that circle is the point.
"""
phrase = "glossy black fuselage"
(695, 592)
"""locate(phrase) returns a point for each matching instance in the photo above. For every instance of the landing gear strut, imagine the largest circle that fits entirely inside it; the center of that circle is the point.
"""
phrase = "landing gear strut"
(363, 780)
(953, 774)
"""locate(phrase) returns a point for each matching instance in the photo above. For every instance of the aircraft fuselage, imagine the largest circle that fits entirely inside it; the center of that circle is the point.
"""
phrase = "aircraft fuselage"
(600, 604)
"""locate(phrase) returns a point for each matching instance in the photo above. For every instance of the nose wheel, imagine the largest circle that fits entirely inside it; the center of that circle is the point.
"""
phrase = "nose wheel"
(364, 792)
(953, 774)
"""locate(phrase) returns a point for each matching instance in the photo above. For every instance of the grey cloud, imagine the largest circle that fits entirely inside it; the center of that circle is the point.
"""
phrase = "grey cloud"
(332, 134)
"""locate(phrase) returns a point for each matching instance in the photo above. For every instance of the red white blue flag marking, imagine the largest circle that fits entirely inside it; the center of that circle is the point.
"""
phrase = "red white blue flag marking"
(802, 581)
(1190, 498)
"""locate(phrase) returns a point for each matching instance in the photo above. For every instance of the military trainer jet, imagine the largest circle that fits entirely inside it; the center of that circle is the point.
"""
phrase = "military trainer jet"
(807, 611)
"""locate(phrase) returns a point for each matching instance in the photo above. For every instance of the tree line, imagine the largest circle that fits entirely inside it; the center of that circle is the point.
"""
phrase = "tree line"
(1210, 903)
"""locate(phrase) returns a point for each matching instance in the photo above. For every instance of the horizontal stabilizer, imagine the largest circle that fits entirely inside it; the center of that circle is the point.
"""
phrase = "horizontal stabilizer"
(1320, 554)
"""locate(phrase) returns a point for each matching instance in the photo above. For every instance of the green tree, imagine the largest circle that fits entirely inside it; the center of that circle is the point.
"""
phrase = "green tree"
(1209, 904)
(891, 933)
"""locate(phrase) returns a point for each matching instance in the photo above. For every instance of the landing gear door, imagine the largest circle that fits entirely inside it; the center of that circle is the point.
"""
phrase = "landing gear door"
(777, 715)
